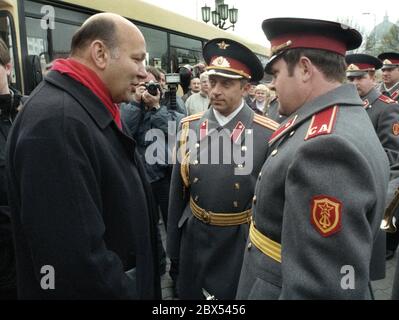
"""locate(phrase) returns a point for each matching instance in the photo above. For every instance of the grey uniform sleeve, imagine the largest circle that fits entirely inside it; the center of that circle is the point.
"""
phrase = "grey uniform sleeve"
(312, 263)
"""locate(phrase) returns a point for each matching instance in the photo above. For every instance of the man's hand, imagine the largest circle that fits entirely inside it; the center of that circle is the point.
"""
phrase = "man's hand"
(151, 101)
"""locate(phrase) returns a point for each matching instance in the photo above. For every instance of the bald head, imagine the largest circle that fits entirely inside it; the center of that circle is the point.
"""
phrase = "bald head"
(106, 27)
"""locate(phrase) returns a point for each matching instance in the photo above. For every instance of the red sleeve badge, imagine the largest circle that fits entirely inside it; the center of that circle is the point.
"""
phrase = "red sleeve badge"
(326, 215)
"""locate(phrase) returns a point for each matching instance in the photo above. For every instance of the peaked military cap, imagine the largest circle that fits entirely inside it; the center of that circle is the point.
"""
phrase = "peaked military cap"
(389, 59)
(291, 33)
(359, 64)
(230, 59)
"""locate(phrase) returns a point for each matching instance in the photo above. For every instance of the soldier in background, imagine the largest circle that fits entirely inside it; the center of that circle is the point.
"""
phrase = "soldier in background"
(384, 114)
(210, 201)
(319, 202)
(390, 74)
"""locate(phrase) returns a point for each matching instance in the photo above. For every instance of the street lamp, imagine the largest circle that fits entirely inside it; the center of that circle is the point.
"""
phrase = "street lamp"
(220, 15)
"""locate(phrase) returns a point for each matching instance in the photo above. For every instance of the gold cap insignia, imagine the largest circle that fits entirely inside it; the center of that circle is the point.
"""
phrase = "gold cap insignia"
(276, 49)
(386, 61)
(223, 45)
(353, 67)
(221, 62)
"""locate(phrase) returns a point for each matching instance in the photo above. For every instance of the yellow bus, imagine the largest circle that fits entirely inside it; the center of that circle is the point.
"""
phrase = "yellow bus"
(39, 31)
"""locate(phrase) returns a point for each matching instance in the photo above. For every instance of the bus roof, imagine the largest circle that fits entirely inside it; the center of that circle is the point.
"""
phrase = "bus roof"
(144, 12)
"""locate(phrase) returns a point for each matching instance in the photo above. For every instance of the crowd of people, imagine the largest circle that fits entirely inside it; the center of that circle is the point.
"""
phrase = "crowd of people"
(266, 190)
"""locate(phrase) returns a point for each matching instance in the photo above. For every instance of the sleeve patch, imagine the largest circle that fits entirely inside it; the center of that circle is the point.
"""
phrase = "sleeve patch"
(326, 215)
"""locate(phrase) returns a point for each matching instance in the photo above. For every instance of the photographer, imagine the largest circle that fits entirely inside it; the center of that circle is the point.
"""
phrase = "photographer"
(145, 112)
(9, 104)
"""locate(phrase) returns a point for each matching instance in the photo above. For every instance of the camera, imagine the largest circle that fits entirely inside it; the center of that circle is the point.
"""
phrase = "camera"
(152, 87)
(172, 80)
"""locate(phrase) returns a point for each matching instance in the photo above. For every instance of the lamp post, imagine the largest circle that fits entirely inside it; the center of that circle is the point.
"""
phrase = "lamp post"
(220, 15)
(374, 30)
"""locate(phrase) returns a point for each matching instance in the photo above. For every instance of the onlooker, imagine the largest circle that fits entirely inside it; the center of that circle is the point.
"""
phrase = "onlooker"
(250, 96)
(199, 101)
(195, 86)
(81, 206)
(9, 104)
(262, 99)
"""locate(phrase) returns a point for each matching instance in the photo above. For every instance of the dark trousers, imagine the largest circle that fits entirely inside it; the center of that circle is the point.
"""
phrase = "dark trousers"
(160, 189)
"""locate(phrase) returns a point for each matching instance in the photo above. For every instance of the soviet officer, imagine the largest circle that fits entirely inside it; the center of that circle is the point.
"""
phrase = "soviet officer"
(212, 187)
(390, 74)
(314, 225)
(384, 114)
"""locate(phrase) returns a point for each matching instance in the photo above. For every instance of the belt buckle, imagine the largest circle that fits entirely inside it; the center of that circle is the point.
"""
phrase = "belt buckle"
(206, 217)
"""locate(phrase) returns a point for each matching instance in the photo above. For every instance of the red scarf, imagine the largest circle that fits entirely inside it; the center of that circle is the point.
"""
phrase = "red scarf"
(91, 80)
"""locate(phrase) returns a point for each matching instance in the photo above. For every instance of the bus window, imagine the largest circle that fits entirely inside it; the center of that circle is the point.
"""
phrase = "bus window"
(157, 46)
(7, 35)
(184, 51)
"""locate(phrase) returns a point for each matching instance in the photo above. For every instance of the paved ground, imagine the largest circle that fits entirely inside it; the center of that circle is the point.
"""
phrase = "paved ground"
(382, 288)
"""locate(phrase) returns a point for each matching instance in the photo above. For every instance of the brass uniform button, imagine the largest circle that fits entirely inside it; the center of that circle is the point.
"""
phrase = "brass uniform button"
(249, 246)
(292, 133)
(235, 203)
(196, 198)
(274, 152)
(237, 186)
(195, 180)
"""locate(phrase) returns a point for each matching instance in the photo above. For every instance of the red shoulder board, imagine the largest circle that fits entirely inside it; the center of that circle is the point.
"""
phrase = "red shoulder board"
(237, 131)
(326, 215)
(322, 123)
(282, 130)
(386, 99)
(204, 129)
(395, 94)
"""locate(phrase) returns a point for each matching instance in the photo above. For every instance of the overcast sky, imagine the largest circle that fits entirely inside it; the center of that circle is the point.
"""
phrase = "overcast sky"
(251, 13)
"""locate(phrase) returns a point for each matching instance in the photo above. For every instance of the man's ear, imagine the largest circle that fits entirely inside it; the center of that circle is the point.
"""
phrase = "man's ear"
(306, 68)
(99, 54)
(8, 68)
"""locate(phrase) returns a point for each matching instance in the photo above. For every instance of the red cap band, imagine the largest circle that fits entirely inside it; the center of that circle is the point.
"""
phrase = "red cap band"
(292, 41)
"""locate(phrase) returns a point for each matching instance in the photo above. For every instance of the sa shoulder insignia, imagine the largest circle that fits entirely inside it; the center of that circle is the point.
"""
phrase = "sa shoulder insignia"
(326, 215)
(395, 129)
(322, 123)
(386, 99)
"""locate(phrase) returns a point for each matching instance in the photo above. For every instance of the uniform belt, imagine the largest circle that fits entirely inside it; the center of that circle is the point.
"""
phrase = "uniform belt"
(269, 247)
(220, 219)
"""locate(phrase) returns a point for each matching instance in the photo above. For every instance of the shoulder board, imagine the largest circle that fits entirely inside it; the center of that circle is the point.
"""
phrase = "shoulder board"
(193, 117)
(386, 99)
(266, 122)
(395, 94)
(322, 123)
